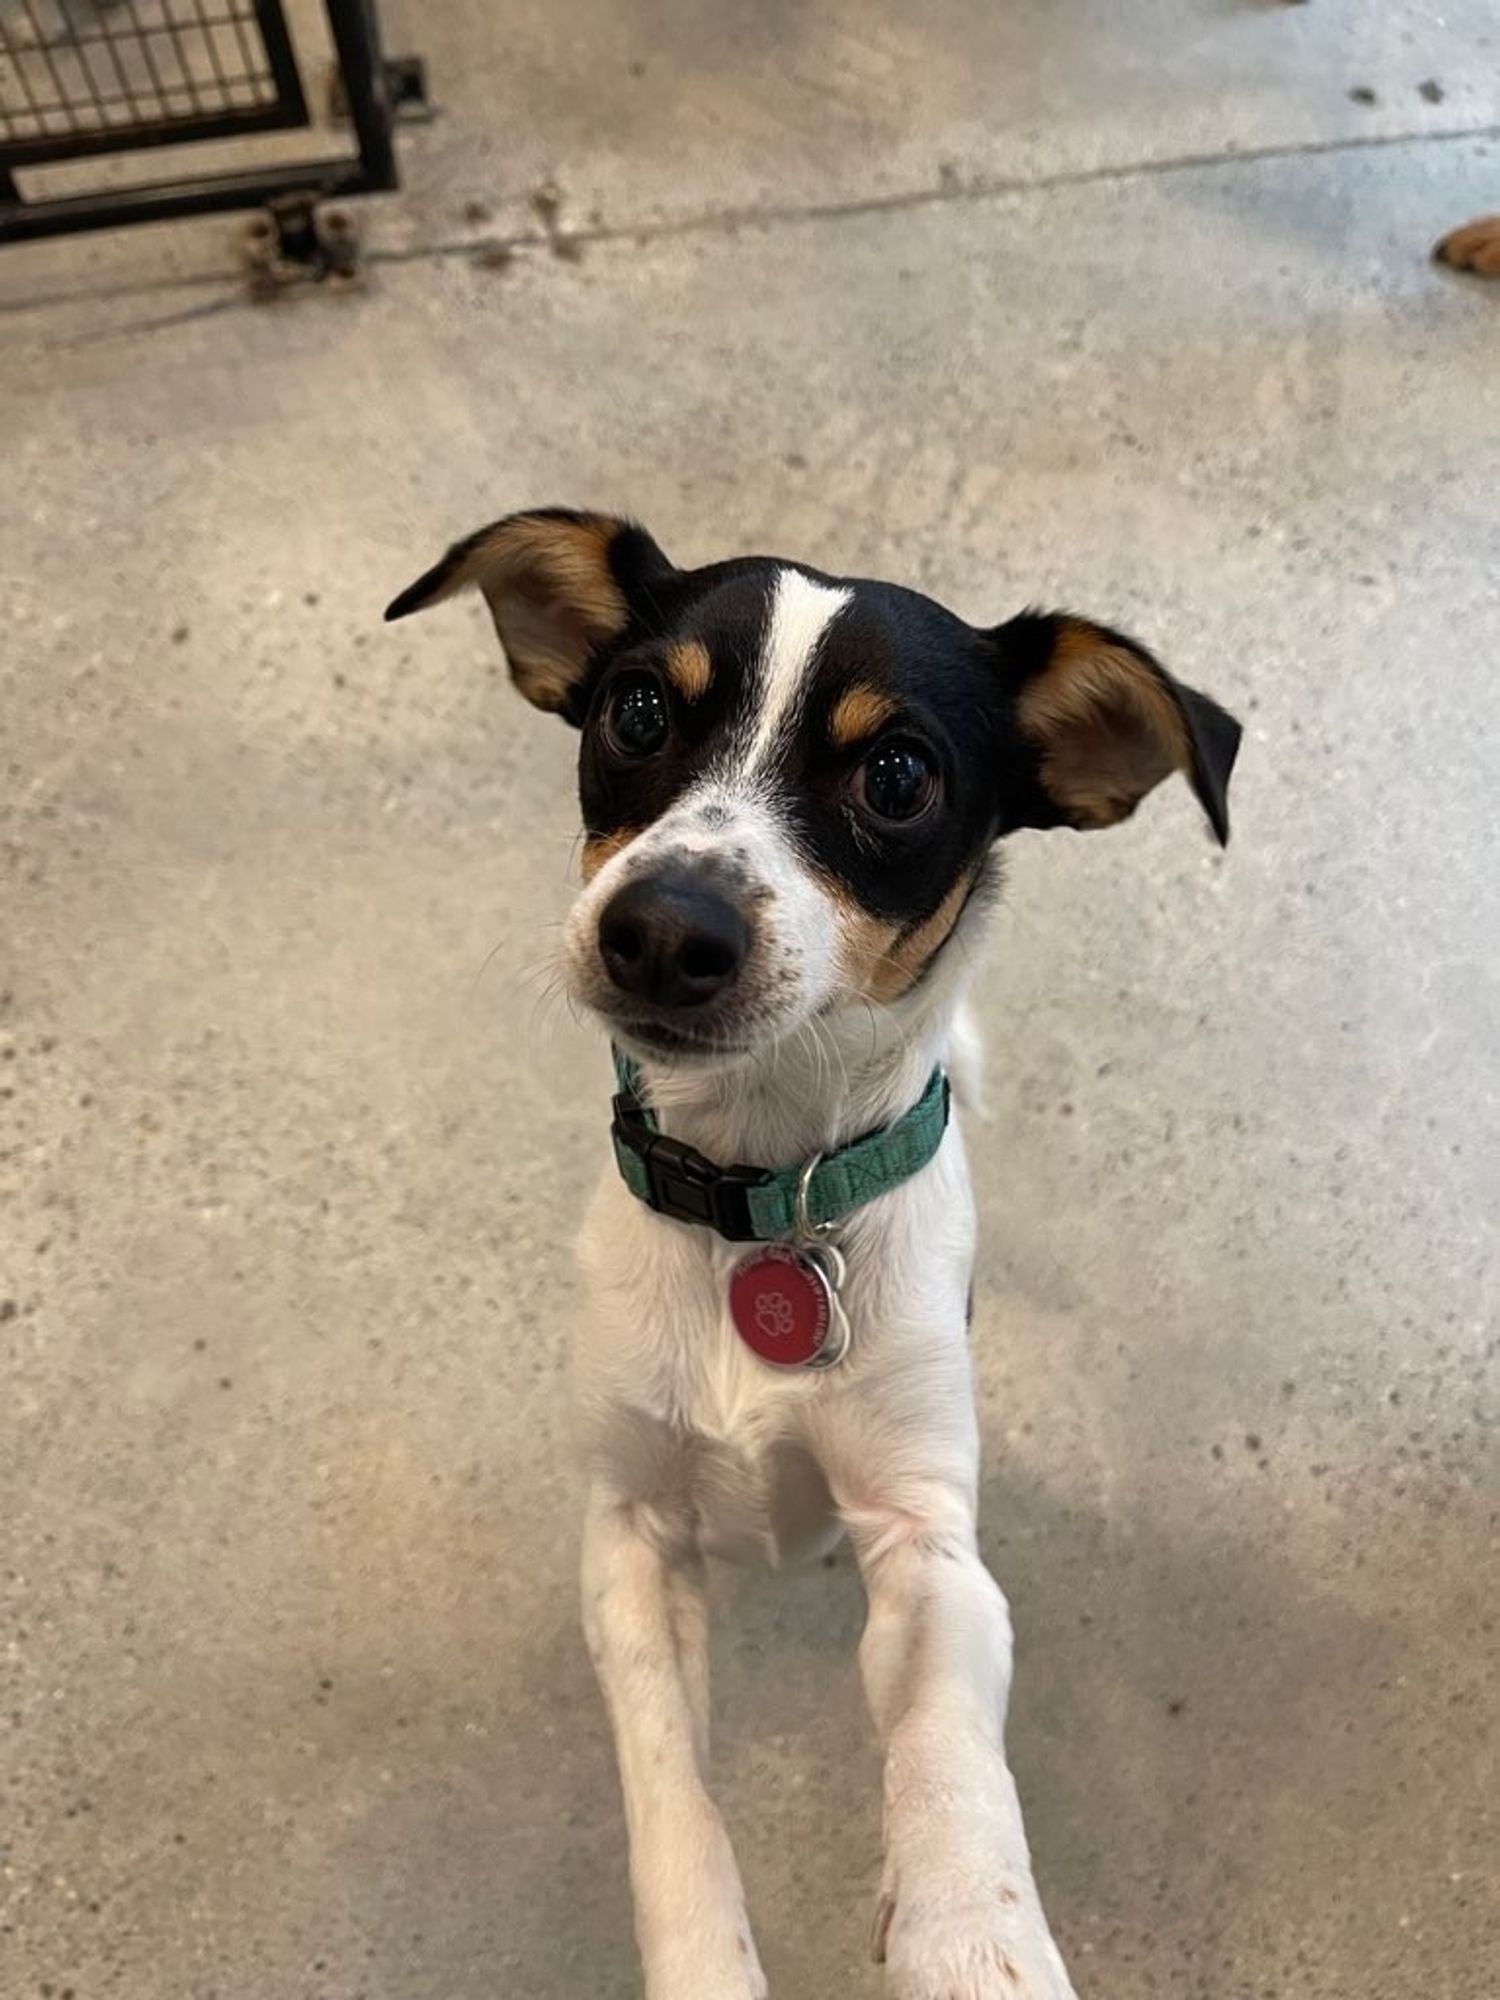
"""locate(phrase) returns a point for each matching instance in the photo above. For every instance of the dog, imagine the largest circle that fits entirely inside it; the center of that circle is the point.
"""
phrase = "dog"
(795, 790)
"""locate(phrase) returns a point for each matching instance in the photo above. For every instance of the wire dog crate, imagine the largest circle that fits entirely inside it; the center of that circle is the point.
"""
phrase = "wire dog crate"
(85, 78)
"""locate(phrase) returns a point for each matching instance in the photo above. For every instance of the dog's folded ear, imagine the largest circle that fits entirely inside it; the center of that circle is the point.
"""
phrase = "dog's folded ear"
(560, 586)
(1102, 723)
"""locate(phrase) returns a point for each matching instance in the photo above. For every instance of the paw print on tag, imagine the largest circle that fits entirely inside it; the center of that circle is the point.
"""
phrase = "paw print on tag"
(774, 1315)
(782, 1305)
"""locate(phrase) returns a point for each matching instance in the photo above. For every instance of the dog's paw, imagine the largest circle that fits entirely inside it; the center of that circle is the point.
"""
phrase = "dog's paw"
(719, 1968)
(691, 1923)
(706, 1986)
(1475, 247)
(947, 1943)
(700, 1983)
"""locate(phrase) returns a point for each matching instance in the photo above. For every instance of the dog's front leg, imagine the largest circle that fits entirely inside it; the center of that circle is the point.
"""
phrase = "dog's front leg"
(959, 1916)
(645, 1619)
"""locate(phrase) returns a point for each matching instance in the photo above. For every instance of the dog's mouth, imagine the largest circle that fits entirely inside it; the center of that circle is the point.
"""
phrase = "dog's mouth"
(660, 1038)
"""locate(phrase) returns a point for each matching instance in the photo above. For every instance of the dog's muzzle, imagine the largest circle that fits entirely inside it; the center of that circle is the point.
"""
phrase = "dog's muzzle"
(672, 941)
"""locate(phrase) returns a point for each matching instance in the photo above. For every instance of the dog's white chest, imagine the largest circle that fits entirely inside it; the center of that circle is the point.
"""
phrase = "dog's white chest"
(673, 1400)
(678, 1411)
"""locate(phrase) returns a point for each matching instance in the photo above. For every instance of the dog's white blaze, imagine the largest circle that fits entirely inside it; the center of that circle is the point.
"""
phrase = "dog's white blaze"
(801, 612)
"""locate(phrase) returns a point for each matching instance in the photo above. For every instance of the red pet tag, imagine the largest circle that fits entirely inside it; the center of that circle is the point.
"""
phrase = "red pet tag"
(785, 1306)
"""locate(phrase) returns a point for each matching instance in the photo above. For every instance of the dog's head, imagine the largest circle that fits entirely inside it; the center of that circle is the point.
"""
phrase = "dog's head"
(792, 785)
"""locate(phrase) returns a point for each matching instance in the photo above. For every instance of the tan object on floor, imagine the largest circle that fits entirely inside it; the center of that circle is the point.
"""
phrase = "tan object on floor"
(1475, 247)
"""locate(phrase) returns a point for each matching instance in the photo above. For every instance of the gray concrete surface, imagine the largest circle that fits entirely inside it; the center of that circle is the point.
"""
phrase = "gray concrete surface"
(293, 1141)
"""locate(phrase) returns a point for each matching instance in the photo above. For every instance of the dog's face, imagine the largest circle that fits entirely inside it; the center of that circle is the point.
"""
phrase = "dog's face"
(792, 785)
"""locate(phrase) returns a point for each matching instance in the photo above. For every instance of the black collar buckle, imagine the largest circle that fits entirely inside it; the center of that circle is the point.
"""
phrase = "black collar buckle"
(678, 1181)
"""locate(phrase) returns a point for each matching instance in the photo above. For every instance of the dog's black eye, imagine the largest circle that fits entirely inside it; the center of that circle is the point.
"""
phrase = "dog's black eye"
(897, 781)
(635, 716)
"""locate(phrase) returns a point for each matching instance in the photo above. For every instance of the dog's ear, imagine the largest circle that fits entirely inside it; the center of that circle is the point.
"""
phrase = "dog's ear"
(559, 586)
(1105, 723)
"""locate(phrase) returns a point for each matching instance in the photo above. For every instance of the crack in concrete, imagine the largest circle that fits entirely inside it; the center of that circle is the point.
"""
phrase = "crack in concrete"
(953, 190)
(948, 190)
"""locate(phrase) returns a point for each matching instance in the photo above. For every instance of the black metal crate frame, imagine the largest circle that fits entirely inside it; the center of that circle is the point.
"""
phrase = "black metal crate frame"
(82, 78)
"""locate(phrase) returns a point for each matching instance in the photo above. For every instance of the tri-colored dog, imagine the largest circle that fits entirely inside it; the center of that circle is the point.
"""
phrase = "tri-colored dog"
(794, 791)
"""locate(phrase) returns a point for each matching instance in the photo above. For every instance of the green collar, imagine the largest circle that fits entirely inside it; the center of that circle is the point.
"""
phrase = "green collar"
(759, 1204)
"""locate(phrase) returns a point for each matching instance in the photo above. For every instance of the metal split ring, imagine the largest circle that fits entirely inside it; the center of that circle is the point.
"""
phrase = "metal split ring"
(807, 1231)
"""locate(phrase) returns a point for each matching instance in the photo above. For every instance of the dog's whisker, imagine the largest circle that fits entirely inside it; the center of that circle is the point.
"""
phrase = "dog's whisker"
(537, 968)
(489, 958)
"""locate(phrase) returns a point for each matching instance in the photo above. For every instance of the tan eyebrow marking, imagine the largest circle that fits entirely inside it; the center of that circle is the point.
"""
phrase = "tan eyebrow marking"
(858, 713)
(689, 669)
(602, 847)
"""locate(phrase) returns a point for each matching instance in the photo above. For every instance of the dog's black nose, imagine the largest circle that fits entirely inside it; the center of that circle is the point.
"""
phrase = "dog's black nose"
(672, 940)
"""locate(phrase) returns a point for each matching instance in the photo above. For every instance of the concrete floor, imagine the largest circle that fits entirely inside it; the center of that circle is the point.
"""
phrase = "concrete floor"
(292, 1146)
